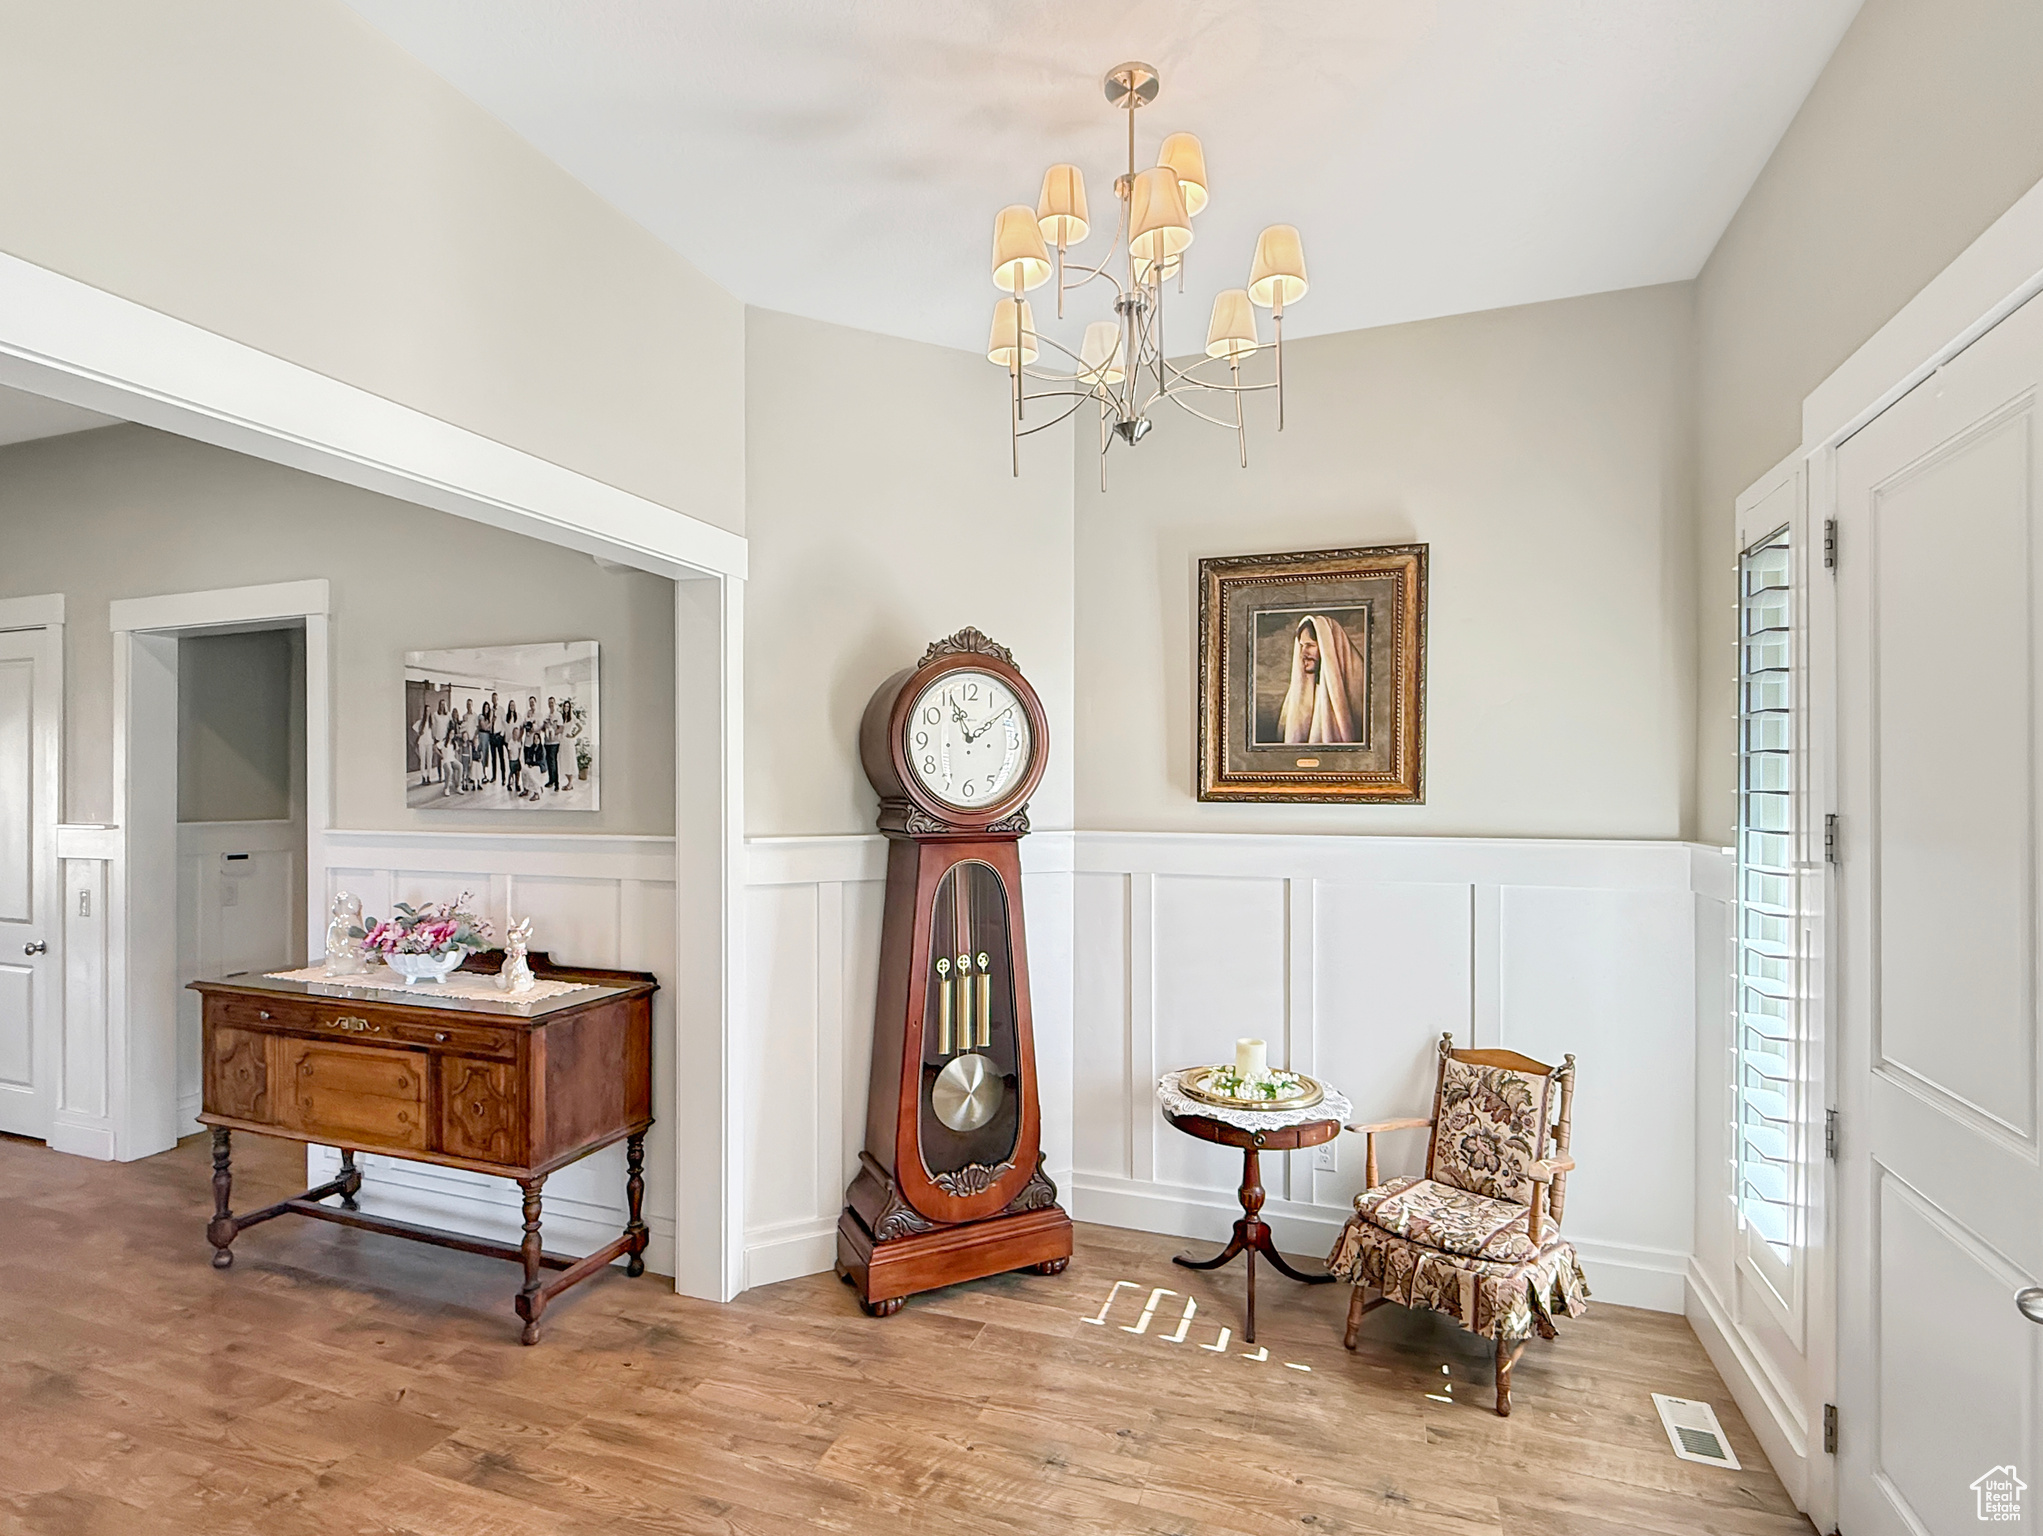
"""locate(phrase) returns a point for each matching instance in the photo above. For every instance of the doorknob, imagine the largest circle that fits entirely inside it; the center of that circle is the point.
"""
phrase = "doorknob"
(2029, 1302)
(37, 948)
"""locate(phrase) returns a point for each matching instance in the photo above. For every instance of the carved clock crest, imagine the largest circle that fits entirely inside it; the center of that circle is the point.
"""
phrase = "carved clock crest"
(950, 1186)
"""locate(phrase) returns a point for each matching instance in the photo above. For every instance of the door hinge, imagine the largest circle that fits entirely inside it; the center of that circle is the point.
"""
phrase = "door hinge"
(1830, 838)
(1830, 1429)
(1830, 1134)
(1829, 543)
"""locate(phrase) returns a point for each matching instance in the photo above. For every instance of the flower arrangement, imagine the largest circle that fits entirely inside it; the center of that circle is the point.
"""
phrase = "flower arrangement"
(1274, 1084)
(438, 929)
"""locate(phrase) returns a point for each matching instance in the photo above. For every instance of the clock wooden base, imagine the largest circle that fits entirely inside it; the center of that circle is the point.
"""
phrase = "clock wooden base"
(912, 1254)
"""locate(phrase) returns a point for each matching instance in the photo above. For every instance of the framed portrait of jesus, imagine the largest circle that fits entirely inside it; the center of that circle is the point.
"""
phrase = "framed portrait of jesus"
(1312, 676)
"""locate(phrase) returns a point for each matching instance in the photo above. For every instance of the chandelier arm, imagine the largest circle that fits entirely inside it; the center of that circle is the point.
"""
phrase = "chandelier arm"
(1191, 375)
(1062, 394)
(1068, 414)
(1194, 411)
(1218, 389)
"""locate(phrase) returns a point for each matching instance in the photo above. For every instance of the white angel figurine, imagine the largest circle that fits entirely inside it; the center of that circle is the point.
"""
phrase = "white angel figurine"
(344, 935)
(516, 975)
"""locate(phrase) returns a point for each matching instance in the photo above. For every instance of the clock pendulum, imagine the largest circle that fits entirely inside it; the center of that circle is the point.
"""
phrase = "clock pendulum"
(950, 1185)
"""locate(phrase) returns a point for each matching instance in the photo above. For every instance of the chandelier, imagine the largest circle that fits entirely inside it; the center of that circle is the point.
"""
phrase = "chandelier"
(1121, 363)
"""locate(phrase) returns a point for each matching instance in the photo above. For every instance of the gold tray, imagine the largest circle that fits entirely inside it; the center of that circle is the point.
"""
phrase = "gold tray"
(1188, 1085)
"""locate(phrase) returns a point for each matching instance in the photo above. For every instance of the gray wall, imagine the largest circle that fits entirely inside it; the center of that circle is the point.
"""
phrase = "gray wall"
(278, 172)
(1926, 126)
(1543, 452)
(882, 513)
(240, 710)
(129, 512)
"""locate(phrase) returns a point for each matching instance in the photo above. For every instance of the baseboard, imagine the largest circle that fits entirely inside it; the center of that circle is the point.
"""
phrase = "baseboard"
(1781, 1434)
(1622, 1274)
(94, 1141)
(790, 1249)
(188, 1106)
(487, 1207)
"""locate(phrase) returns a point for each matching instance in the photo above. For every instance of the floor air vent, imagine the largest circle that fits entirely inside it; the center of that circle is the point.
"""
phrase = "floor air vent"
(1693, 1431)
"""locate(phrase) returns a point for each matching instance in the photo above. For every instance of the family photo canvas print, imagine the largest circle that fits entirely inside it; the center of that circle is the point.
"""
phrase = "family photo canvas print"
(1312, 676)
(503, 727)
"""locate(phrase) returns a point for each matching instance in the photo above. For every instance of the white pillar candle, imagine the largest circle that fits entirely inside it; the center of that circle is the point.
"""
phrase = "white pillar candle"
(1251, 1057)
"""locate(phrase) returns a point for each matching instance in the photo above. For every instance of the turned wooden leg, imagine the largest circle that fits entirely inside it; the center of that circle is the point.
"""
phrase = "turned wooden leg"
(634, 1194)
(221, 1229)
(1507, 1356)
(530, 1302)
(351, 1180)
(1355, 1311)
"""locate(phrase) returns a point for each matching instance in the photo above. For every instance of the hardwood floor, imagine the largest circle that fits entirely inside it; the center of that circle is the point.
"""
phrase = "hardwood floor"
(335, 1381)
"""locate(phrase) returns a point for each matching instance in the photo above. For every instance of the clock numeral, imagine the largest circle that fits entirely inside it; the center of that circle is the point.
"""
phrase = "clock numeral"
(971, 693)
(929, 765)
(922, 738)
(931, 715)
(969, 792)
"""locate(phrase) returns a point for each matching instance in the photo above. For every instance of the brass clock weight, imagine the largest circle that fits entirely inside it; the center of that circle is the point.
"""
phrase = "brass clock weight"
(950, 1186)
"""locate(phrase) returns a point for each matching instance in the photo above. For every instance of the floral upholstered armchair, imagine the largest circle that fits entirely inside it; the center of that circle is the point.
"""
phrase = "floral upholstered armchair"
(1478, 1237)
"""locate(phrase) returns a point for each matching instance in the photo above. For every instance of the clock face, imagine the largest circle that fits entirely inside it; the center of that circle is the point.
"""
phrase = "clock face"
(968, 739)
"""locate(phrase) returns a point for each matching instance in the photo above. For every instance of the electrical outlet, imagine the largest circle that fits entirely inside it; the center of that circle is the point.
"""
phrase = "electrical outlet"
(1326, 1157)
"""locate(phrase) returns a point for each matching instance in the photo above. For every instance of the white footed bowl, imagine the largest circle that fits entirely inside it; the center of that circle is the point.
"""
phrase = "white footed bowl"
(422, 970)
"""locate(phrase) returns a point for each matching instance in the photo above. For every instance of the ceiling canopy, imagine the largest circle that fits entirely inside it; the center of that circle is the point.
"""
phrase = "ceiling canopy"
(845, 161)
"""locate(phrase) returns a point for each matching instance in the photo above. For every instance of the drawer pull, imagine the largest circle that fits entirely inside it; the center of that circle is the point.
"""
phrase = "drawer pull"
(440, 1035)
(262, 1013)
(358, 1026)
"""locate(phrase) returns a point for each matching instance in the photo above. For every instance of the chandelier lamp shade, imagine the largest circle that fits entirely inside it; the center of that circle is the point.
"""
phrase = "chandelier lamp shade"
(1121, 363)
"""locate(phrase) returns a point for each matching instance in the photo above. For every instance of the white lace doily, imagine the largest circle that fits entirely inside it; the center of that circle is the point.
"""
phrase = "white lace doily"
(480, 986)
(1175, 1101)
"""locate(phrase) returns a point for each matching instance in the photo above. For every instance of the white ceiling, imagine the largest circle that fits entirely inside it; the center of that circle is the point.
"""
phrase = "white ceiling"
(844, 161)
(25, 417)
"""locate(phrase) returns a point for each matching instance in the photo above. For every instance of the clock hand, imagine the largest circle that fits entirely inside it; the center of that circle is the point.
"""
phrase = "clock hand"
(971, 735)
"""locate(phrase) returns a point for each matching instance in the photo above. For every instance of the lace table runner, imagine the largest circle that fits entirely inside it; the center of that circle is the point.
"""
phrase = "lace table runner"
(480, 986)
(1175, 1101)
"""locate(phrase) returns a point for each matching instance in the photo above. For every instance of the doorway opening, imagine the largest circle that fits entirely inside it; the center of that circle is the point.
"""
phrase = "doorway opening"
(241, 817)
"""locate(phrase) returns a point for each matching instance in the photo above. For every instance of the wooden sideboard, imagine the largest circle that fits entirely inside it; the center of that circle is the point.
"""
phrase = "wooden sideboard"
(509, 1087)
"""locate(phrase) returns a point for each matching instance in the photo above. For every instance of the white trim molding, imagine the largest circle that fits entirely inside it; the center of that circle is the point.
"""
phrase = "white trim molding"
(62, 338)
(222, 606)
(1992, 277)
(32, 612)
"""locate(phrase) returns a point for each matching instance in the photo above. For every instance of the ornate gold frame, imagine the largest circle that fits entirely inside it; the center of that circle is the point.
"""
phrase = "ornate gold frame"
(1404, 782)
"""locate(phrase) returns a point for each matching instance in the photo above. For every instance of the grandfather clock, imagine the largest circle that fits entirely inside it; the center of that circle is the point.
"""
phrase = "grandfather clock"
(950, 1185)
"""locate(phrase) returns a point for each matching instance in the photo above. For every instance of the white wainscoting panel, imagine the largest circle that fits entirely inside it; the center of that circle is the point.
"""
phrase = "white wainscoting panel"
(83, 1123)
(1352, 956)
(594, 900)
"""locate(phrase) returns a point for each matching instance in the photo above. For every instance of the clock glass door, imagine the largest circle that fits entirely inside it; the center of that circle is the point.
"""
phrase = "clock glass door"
(971, 1104)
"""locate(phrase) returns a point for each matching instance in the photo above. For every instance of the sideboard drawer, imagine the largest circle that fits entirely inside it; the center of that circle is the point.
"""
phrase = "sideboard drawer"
(366, 1024)
(362, 1095)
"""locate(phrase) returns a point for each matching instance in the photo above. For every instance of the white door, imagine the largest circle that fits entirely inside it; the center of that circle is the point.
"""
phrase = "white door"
(31, 979)
(1940, 725)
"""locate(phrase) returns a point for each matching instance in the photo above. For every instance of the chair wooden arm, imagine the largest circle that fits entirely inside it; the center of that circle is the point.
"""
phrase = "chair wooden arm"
(1369, 1133)
(1542, 1175)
